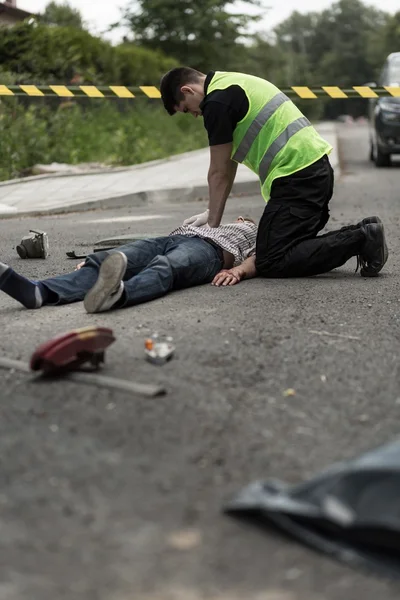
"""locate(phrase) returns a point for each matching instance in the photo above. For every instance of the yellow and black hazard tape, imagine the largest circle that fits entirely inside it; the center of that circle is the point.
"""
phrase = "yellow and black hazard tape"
(149, 91)
(82, 91)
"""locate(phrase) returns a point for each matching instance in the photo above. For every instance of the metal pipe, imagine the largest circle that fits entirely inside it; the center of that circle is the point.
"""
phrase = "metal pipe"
(143, 389)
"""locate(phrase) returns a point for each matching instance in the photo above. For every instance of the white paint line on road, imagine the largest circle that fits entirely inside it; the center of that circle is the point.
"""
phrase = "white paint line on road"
(129, 219)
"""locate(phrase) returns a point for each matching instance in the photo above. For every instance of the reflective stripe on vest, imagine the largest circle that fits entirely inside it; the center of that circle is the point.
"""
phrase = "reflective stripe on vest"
(263, 116)
(278, 144)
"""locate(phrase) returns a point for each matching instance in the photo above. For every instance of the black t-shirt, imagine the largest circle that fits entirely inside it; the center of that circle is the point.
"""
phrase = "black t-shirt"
(222, 110)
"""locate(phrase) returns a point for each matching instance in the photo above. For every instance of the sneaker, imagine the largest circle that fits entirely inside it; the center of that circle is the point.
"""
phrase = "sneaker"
(109, 286)
(375, 251)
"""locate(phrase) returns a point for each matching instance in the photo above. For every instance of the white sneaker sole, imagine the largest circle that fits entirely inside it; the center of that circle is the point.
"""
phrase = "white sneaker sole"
(111, 274)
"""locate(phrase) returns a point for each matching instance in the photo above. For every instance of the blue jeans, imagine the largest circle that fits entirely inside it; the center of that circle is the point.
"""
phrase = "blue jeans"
(155, 267)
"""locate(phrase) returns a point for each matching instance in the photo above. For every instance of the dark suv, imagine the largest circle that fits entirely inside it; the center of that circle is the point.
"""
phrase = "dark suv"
(384, 116)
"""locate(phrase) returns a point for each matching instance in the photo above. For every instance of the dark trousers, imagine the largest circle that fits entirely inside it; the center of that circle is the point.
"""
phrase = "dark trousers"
(287, 241)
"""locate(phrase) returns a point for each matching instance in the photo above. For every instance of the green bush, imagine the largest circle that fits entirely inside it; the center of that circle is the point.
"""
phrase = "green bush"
(95, 132)
(23, 141)
(140, 66)
(58, 54)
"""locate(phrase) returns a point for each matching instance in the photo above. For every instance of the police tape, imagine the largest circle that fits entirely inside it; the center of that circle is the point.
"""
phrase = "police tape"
(149, 91)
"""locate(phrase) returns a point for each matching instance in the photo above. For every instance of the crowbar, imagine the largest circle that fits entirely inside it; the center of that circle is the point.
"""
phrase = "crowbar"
(111, 383)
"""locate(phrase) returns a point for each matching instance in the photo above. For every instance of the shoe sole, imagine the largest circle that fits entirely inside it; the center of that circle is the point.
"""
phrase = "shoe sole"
(111, 273)
(376, 272)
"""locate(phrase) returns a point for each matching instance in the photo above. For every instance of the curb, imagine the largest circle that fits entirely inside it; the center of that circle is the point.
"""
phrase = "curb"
(105, 171)
(145, 198)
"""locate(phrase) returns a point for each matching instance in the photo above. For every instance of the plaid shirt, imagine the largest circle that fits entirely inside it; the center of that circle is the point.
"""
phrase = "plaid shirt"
(237, 238)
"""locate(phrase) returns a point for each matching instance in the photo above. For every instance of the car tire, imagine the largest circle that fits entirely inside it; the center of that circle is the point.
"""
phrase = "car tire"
(381, 159)
(371, 152)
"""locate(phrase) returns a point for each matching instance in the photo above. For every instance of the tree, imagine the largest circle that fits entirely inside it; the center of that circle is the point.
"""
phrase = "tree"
(339, 46)
(37, 53)
(198, 33)
(63, 15)
(384, 41)
(262, 58)
(341, 41)
(295, 37)
(391, 34)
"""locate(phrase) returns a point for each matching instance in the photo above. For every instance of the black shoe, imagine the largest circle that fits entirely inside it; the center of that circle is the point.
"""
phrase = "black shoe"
(368, 221)
(375, 251)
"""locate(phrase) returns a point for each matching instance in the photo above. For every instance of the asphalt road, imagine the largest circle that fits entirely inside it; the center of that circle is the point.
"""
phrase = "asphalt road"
(106, 496)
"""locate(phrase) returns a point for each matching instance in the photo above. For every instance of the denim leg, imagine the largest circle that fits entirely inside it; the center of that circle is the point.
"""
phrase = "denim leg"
(187, 262)
(142, 252)
(72, 287)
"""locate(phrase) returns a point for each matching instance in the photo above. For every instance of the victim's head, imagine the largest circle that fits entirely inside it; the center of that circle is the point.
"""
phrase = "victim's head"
(245, 220)
(182, 90)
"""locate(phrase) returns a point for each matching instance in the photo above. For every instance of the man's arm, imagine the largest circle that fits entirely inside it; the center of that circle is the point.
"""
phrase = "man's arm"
(221, 175)
(246, 270)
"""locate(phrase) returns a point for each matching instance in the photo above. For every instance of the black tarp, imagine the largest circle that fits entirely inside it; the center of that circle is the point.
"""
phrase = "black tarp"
(350, 511)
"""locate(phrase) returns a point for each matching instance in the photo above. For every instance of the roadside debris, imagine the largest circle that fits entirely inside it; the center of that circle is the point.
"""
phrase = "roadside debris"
(67, 352)
(75, 256)
(159, 349)
(185, 539)
(143, 389)
(35, 245)
(67, 169)
(7, 210)
(349, 511)
(111, 243)
(338, 335)
(120, 240)
(289, 392)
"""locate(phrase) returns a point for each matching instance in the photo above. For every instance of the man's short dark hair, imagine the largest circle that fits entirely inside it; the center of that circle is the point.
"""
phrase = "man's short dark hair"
(171, 84)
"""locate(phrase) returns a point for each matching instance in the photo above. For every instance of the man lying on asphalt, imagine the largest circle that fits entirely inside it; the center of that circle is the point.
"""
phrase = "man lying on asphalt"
(145, 270)
(250, 121)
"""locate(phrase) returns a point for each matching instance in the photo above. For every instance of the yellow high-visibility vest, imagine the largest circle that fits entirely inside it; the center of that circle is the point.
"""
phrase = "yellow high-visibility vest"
(274, 139)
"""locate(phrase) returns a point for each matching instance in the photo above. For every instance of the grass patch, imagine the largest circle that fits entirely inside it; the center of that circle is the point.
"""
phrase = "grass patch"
(95, 132)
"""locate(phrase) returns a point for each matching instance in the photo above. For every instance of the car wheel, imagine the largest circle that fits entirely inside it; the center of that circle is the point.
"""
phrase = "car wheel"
(381, 159)
(371, 151)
